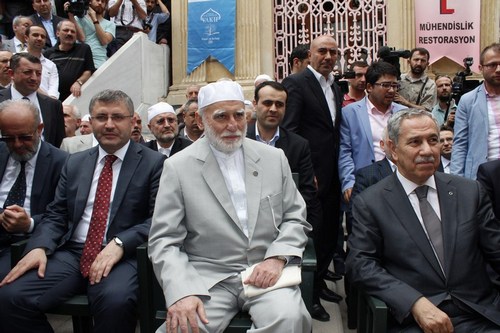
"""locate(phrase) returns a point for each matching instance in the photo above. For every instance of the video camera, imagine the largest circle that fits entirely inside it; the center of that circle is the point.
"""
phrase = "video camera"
(391, 55)
(457, 88)
(78, 7)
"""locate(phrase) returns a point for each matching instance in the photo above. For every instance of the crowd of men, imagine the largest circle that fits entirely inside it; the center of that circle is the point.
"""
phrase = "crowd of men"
(214, 197)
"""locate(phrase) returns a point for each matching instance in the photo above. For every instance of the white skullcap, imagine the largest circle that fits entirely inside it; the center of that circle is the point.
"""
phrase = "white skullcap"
(219, 92)
(86, 117)
(159, 108)
(262, 77)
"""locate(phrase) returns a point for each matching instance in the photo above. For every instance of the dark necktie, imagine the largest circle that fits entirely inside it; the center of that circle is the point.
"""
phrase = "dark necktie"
(431, 222)
(17, 192)
(99, 217)
(26, 99)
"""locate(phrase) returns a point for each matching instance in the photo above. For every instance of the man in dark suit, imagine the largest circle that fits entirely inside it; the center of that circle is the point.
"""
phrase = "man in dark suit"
(44, 18)
(488, 175)
(421, 239)
(313, 112)
(162, 122)
(26, 73)
(21, 148)
(87, 239)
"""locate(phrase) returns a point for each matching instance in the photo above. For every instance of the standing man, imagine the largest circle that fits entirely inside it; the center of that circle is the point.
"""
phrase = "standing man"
(363, 123)
(88, 237)
(446, 139)
(73, 60)
(357, 85)
(95, 30)
(4, 69)
(162, 122)
(44, 17)
(28, 166)
(127, 15)
(256, 214)
(72, 120)
(444, 100)
(476, 127)
(153, 19)
(18, 42)
(421, 240)
(36, 36)
(191, 130)
(313, 112)
(137, 128)
(417, 89)
(299, 58)
(26, 73)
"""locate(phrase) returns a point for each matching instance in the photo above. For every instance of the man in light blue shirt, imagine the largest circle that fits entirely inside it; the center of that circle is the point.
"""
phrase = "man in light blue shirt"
(154, 19)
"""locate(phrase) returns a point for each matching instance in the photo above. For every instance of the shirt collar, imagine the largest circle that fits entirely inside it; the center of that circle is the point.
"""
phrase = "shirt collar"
(271, 142)
(120, 153)
(371, 108)
(17, 95)
(320, 77)
(410, 186)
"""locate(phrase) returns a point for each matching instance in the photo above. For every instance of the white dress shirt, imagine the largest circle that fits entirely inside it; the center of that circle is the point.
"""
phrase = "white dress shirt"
(326, 85)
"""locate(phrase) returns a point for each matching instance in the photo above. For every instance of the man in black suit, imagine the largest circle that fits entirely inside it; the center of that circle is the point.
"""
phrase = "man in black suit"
(21, 144)
(26, 73)
(488, 175)
(44, 18)
(421, 239)
(313, 112)
(162, 122)
(87, 240)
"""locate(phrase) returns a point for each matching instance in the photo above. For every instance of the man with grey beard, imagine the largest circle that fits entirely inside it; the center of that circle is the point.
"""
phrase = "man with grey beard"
(30, 171)
(256, 218)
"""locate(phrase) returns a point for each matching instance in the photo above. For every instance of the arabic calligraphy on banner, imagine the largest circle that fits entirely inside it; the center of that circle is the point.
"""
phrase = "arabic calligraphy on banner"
(211, 32)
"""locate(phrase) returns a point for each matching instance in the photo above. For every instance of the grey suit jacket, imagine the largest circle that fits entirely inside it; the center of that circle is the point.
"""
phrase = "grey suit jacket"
(391, 257)
(196, 238)
(77, 143)
(130, 212)
(8, 45)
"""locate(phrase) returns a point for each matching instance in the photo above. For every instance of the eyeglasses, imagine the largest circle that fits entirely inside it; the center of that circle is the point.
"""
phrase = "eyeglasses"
(13, 138)
(388, 85)
(493, 65)
(168, 120)
(116, 118)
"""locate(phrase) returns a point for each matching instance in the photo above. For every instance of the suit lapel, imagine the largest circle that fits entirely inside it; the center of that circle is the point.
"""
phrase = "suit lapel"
(215, 180)
(448, 206)
(253, 186)
(400, 205)
(129, 165)
(86, 174)
(363, 118)
(385, 168)
(319, 94)
(42, 170)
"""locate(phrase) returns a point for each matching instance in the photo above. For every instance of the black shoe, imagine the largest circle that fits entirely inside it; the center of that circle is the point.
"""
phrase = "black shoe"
(330, 295)
(318, 312)
(332, 276)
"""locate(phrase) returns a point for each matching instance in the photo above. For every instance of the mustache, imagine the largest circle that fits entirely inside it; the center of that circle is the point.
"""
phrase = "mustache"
(424, 159)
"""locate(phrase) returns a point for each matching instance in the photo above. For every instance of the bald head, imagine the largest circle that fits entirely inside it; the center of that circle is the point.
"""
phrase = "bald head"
(323, 54)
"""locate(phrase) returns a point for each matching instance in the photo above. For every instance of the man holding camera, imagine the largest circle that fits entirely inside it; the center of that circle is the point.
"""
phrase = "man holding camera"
(445, 102)
(128, 16)
(94, 29)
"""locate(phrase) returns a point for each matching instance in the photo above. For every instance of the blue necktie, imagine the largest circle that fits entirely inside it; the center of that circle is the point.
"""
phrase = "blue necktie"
(17, 193)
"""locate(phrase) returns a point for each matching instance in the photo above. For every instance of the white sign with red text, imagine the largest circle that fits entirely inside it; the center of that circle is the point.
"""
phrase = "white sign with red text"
(449, 28)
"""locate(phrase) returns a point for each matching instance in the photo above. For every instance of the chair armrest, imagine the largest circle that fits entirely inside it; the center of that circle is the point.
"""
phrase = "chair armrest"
(309, 256)
(372, 313)
(16, 251)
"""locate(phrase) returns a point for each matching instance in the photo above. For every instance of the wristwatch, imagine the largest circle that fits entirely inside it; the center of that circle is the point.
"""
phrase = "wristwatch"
(79, 82)
(118, 241)
(283, 258)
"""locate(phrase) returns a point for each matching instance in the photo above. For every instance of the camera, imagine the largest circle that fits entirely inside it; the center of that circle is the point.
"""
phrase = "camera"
(78, 7)
(391, 55)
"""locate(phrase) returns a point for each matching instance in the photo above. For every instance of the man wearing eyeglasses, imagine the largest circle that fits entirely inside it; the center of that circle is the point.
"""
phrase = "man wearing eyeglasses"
(162, 122)
(28, 167)
(363, 123)
(86, 242)
(477, 119)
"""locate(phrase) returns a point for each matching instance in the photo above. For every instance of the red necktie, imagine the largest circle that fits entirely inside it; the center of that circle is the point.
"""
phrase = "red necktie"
(99, 217)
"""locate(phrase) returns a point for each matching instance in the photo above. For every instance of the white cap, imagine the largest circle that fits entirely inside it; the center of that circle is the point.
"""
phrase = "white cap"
(86, 117)
(219, 92)
(159, 108)
(262, 78)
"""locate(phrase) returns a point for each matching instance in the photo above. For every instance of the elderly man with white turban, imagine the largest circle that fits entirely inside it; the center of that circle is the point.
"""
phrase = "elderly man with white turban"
(236, 207)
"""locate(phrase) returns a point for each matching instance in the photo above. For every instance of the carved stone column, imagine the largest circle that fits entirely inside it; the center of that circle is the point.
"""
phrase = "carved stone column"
(254, 49)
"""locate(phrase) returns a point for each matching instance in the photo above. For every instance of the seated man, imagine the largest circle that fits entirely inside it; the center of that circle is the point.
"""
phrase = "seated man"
(87, 240)
(421, 239)
(29, 167)
(236, 207)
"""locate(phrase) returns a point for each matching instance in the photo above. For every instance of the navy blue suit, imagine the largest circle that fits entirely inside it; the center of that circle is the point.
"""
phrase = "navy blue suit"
(113, 301)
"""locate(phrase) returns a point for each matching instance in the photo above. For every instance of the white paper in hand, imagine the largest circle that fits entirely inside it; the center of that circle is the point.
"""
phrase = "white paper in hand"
(290, 276)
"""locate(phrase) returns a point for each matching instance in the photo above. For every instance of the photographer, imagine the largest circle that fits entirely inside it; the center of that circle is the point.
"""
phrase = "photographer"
(128, 16)
(94, 29)
(417, 89)
(154, 19)
(444, 100)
